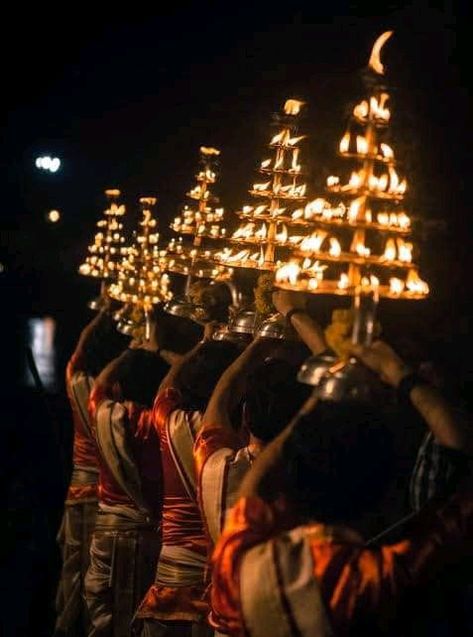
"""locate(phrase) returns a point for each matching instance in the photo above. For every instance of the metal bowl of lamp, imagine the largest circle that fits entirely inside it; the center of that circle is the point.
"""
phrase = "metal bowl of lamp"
(338, 381)
(224, 333)
(243, 322)
(130, 321)
(180, 306)
(272, 327)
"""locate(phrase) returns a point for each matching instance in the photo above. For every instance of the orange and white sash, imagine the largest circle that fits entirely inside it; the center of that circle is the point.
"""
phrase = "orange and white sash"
(81, 386)
(112, 440)
(280, 595)
(220, 480)
(182, 428)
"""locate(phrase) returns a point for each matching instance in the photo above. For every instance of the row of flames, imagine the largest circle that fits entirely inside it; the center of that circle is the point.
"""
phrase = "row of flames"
(373, 110)
(197, 222)
(289, 191)
(278, 165)
(395, 249)
(322, 210)
(388, 183)
(362, 147)
(310, 276)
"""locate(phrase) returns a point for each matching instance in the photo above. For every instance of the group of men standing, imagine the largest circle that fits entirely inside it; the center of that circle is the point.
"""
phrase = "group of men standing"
(212, 494)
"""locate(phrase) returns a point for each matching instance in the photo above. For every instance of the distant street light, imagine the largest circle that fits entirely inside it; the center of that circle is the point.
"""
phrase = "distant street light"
(53, 216)
(48, 163)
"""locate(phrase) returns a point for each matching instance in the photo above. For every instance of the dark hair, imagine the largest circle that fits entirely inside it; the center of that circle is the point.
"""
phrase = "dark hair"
(272, 398)
(176, 333)
(338, 461)
(197, 378)
(140, 376)
(103, 345)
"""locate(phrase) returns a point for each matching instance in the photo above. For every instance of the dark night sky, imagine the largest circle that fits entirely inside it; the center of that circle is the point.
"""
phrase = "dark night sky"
(127, 99)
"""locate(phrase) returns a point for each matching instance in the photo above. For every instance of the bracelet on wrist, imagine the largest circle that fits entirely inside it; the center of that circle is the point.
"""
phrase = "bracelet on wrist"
(406, 385)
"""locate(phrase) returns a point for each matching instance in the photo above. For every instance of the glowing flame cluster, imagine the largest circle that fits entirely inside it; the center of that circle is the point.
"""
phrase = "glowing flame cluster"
(141, 278)
(263, 223)
(201, 222)
(356, 242)
(108, 248)
(196, 222)
(374, 110)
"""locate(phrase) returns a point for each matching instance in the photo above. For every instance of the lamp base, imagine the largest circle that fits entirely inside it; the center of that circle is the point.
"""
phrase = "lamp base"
(339, 381)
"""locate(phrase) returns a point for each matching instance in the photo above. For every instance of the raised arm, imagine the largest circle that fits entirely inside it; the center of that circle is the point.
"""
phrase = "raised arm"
(448, 428)
(178, 361)
(90, 333)
(232, 384)
(292, 305)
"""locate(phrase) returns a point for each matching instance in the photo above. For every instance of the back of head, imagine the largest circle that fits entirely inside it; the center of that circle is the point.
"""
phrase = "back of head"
(338, 461)
(140, 376)
(176, 333)
(104, 344)
(272, 398)
(197, 378)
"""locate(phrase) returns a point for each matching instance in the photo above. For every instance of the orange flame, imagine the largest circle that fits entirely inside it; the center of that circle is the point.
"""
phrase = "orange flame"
(293, 107)
(345, 143)
(404, 251)
(335, 247)
(343, 281)
(390, 250)
(288, 273)
(386, 151)
(361, 145)
(415, 284)
(396, 286)
(361, 110)
(333, 181)
(314, 242)
(281, 237)
(375, 57)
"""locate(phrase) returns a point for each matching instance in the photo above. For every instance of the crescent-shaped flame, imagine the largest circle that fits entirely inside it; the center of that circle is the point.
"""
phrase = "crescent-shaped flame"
(375, 57)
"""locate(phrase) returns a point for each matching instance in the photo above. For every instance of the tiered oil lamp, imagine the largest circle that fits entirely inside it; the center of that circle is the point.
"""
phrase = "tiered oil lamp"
(262, 239)
(356, 241)
(142, 282)
(200, 222)
(108, 248)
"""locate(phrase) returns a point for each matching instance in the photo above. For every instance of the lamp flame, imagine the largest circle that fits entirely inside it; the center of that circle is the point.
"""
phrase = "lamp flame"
(390, 250)
(288, 273)
(335, 247)
(281, 237)
(361, 145)
(293, 107)
(361, 110)
(415, 284)
(404, 251)
(314, 242)
(396, 286)
(345, 143)
(386, 151)
(375, 57)
(343, 281)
